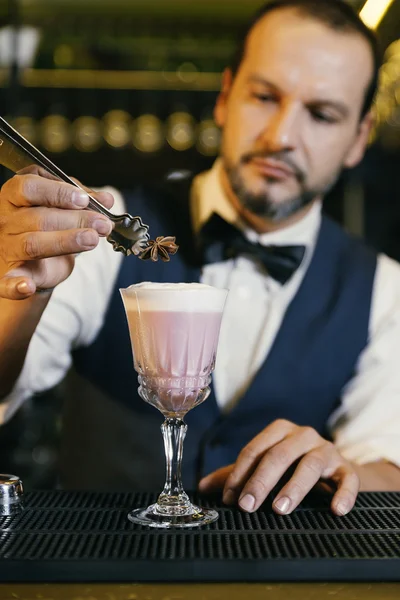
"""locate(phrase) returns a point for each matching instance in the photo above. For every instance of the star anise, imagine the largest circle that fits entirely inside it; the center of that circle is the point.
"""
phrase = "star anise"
(161, 247)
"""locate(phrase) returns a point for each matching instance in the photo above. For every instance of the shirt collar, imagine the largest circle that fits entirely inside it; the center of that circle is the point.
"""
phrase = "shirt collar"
(208, 196)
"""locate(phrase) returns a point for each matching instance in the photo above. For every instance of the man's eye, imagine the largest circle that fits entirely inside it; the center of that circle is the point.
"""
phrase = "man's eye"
(264, 97)
(322, 117)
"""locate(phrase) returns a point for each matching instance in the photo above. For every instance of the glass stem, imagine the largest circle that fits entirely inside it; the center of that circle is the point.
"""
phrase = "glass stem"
(174, 431)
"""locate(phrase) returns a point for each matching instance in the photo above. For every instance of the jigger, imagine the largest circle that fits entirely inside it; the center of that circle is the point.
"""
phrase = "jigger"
(11, 494)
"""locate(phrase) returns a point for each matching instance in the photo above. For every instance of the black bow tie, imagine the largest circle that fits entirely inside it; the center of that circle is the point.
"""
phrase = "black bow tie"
(220, 241)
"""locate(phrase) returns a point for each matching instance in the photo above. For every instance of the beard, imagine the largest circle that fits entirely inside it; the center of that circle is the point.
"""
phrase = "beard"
(262, 204)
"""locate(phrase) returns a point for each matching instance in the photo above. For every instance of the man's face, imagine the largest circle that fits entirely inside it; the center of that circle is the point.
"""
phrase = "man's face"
(291, 116)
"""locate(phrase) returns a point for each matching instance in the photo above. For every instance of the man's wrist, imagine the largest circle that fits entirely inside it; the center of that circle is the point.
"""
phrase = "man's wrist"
(378, 476)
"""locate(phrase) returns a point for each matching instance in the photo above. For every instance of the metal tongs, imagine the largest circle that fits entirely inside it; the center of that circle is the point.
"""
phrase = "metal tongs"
(129, 235)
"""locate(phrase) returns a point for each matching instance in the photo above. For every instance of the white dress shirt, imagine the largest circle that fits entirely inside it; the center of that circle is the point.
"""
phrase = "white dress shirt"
(366, 426)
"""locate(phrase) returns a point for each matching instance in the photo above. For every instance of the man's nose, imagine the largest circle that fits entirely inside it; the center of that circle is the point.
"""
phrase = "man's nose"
(281, 133)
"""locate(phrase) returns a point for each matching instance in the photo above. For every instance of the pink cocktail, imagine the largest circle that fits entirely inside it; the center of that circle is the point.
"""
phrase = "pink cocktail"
(174, 331)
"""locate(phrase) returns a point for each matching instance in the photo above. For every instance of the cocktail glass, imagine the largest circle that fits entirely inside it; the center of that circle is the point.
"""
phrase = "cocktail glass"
(174, 331)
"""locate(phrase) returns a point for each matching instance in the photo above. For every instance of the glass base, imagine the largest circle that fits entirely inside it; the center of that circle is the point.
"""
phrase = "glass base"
(194, 516)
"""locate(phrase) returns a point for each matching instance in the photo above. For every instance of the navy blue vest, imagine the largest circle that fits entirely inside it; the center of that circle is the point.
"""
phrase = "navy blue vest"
(313, 356)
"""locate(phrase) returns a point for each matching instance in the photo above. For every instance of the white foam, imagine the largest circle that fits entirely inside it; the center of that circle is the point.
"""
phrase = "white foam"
(152, 285)
(173, 297)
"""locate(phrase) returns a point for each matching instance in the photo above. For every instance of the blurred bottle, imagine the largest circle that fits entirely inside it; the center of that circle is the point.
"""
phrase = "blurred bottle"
(55, 132)
(52, 32)
(117, 121)
(147, 131)
(72, 48)
(181, 129)
(208, 135)
(87, 129)
(64, 56)
(187, 72)
(116, 130)
(87, 133)
(25, 123)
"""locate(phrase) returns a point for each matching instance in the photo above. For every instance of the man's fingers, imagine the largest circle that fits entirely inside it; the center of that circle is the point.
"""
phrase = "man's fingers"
(34, 190)
(274, 453)
(55, 219)
(273, 467)
(33, 246)
(251, 455)
(307, 474)
(105, 198)
(348, 487)
(36, 170)
(16, 288)
(216, 480)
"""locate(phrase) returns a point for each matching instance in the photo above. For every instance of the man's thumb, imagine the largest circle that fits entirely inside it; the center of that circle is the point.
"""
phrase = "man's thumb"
(216, 480)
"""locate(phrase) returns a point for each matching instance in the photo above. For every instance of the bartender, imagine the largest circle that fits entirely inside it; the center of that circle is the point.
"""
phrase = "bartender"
(307, 381)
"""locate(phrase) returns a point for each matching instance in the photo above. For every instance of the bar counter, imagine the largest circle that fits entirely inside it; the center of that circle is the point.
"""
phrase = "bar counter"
(285, 591)
(80, 546)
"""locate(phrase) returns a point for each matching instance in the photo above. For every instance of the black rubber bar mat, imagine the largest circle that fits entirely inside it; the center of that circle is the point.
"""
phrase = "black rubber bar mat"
(84, 536)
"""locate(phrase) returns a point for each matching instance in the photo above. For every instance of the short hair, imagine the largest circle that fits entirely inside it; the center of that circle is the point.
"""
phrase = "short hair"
(335, 14)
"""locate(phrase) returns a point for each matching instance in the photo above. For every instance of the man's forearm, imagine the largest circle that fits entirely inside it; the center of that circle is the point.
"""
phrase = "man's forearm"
(18, 321)
(378, 476)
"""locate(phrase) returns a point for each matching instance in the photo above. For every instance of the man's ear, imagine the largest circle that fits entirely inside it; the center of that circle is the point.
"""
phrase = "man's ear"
(357, 150)
(222, 99)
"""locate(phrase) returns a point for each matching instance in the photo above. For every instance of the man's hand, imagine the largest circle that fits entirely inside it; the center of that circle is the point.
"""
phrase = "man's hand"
(262, 463)
(42, 228)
